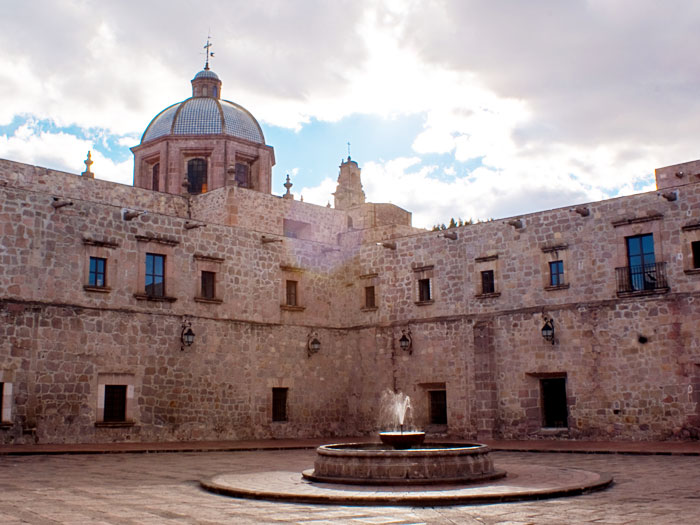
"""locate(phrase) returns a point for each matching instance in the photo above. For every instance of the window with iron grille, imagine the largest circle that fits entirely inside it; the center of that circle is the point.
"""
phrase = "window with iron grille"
(155, 275)
(208, 285)
(279, 404)
(556, 273)
(196, 176)
(488, 283)
(424, 290)
(115, 404)
(98, 272)
(695, 247)
(369, 297)
(292, 293)
(641, 262)
(438, 407)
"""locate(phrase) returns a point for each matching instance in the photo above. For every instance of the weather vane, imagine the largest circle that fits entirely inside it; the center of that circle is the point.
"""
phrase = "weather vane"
(207, 52)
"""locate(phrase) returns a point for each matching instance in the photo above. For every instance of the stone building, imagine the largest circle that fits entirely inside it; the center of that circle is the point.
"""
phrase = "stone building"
(198, 305)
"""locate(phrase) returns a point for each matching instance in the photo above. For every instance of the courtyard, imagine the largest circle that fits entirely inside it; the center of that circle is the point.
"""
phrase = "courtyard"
(151, 488)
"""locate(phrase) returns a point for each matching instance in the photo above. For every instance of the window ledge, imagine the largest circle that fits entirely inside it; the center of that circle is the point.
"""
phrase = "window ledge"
(5, 425)
(290, 308)
(208, 300)
(692, 271)
(557, 287)
(553, 431)
(280, 422)
(369, 309)
(155, 298)
(114, 424)
(639, 293)
(425, 303)
(99, 289)
(487, 295)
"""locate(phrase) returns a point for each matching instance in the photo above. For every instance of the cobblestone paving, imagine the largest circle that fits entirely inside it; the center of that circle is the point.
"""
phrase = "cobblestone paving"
(137, 489)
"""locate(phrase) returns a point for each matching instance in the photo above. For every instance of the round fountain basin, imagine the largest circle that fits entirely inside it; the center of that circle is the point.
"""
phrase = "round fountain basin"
(402, 440)
(375, 464)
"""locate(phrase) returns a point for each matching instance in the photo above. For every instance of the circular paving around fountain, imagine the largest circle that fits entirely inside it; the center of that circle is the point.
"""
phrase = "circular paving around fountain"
(523, 482)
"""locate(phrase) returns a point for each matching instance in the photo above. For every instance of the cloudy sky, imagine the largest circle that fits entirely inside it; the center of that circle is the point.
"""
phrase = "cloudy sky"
(453, 108)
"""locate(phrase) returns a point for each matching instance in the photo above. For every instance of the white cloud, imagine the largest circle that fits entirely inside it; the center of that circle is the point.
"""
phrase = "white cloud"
(61, 151)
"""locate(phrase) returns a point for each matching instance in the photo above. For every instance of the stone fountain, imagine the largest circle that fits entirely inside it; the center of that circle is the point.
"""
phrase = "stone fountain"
(403, 458)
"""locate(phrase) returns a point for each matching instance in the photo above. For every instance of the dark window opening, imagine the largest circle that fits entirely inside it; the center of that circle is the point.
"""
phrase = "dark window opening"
(369, 297)
(349, 223)
(115, 403)
(555, 413)
(279, 404)
(196, 176)
(155, 275)
(208, 285)
(556, 273)
(243, 174)
(695, 247)
(155, 176)
(438, 407)
(2, 395)
(98, 272)
(424, 290)
(291, 293)
(641, 262)
(488, 283)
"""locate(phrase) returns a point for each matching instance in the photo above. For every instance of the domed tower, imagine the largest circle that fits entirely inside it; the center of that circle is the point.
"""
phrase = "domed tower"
(203, 143)
(348, 192)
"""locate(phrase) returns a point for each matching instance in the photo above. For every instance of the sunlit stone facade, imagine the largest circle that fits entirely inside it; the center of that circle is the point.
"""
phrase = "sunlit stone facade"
(303, 315)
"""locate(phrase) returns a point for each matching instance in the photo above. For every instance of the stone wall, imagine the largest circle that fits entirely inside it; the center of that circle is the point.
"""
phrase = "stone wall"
(630, 360)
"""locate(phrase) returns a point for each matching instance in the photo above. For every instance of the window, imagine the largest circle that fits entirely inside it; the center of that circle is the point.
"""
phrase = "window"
(155, 275)
(291, 293)
(279, 404)
(488, 284)
(155, 176)
(556, 273)
(243, 174)
(641, 262)
(208, 285)
(196, 176)
(695, 248)
(98, 272)
(438, 407)
(554, 406)
(369, 297)
(115, 404)
(424, 290)
(2, 404)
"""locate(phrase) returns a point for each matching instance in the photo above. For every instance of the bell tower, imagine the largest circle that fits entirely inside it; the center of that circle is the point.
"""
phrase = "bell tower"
(349, 191)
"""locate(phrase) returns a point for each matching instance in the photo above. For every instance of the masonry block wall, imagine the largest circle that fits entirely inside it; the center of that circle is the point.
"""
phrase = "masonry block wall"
(623, 363)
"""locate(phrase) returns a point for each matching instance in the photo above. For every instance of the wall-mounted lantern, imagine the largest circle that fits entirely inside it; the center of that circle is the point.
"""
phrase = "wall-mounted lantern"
(186, 335)
(313, 344)
(548, 330)
(406, 341)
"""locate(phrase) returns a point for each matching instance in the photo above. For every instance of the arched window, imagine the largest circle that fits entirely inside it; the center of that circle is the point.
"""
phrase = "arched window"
(156, 175)
(196, 175)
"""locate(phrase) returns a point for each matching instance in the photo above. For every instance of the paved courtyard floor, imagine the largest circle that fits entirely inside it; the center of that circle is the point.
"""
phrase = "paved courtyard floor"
(138, 489)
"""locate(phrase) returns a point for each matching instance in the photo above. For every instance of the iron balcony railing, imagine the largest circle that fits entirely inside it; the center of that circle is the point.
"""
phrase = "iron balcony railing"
(646, 277)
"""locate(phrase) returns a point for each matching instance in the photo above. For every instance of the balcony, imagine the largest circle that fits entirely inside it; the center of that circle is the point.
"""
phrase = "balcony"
(640, 280)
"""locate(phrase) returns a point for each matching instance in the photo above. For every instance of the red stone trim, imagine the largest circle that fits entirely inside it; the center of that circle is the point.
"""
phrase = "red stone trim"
(424, 268)
(162, 299)
(100, 243)
(287, 268)
(486, 258)
(159, 240)
(210, 258)
(692, 271)
(637, 220)
(289, 308)
(424, 303)
(557, 287)
(487, 295)
(691, 227)
(556, 248)
(208, 300)
(99, 289)
(369, 309)
(114, 424)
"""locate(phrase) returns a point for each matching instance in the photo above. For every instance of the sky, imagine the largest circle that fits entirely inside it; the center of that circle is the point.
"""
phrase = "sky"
(472, 109)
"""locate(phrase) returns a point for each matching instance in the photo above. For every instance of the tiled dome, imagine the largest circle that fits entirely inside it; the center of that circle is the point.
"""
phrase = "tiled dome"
(205, 115)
